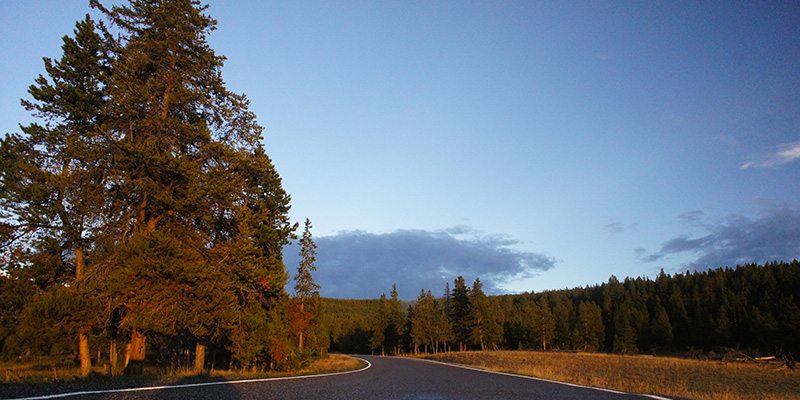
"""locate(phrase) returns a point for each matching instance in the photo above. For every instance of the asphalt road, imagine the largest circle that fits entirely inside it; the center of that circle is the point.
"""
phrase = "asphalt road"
(385, 378)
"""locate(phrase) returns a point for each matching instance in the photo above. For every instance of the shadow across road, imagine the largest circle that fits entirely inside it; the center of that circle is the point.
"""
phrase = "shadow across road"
(142, 388)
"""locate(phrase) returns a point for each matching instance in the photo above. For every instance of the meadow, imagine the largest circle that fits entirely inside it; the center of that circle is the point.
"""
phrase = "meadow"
(665, 376)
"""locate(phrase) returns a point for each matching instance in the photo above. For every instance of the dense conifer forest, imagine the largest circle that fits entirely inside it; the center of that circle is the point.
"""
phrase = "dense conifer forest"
(751, 308)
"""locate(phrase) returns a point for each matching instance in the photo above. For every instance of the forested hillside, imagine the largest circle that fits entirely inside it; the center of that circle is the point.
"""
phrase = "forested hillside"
(348, 324)
(750, 307)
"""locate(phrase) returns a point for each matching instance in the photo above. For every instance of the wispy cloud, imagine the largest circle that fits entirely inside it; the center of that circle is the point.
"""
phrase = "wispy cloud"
(775, 236)
(617, 227)
(780, 155)
(358, 264)
(693, 218)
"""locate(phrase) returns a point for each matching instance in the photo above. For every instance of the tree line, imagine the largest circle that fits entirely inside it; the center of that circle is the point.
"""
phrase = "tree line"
(751, 307)
(140, 216)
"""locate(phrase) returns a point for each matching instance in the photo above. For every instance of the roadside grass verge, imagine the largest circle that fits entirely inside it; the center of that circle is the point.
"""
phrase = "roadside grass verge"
(50, 370)
(335, 363)
(675, 377)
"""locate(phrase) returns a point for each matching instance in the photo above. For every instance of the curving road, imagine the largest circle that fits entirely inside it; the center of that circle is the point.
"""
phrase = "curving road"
(384, 378)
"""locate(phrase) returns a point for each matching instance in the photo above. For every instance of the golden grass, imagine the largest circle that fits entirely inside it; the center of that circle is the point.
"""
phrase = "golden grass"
(334, 363)
(40, 371)
(691, 379)
(43, 372)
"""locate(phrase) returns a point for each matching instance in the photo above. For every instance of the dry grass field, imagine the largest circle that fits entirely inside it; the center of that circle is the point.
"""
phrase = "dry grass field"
(59, 371)
(334, 363)
(690, 379)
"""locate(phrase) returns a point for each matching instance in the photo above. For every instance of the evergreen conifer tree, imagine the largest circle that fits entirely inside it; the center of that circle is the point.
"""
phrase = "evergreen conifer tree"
(545, 323)
(429, 324)
(379, 327)
(388, 324)
(396, 321)
(590, 328)
(423, 321)
(460, 313)
(306, 291)
(486, 330)
(52, 177)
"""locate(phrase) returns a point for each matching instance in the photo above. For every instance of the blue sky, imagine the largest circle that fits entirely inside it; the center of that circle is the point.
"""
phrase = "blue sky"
(536, 145)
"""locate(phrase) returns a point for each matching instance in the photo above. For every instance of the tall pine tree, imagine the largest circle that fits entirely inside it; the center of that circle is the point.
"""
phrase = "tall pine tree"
(486, 330)
(590, 330)
(306, 292)
(52, 177)
(460, 312)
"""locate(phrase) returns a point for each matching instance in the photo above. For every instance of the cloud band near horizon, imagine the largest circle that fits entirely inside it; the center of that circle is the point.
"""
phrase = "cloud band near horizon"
(739, 240)
(358, 264)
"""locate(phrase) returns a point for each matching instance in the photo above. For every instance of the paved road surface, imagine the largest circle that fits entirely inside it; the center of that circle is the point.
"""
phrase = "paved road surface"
(386, 378)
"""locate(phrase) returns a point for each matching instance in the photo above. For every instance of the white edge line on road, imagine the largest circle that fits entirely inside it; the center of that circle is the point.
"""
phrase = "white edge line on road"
(141, 389)
(652, 396)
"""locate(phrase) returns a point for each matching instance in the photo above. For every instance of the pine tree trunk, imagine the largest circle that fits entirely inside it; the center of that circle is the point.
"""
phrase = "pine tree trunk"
(83, 351)
(127, 355)
(301, 341)
(544, 342)
(83, 338)
(135, 351)
(199, 357)
(80, 264)
(113, 358)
